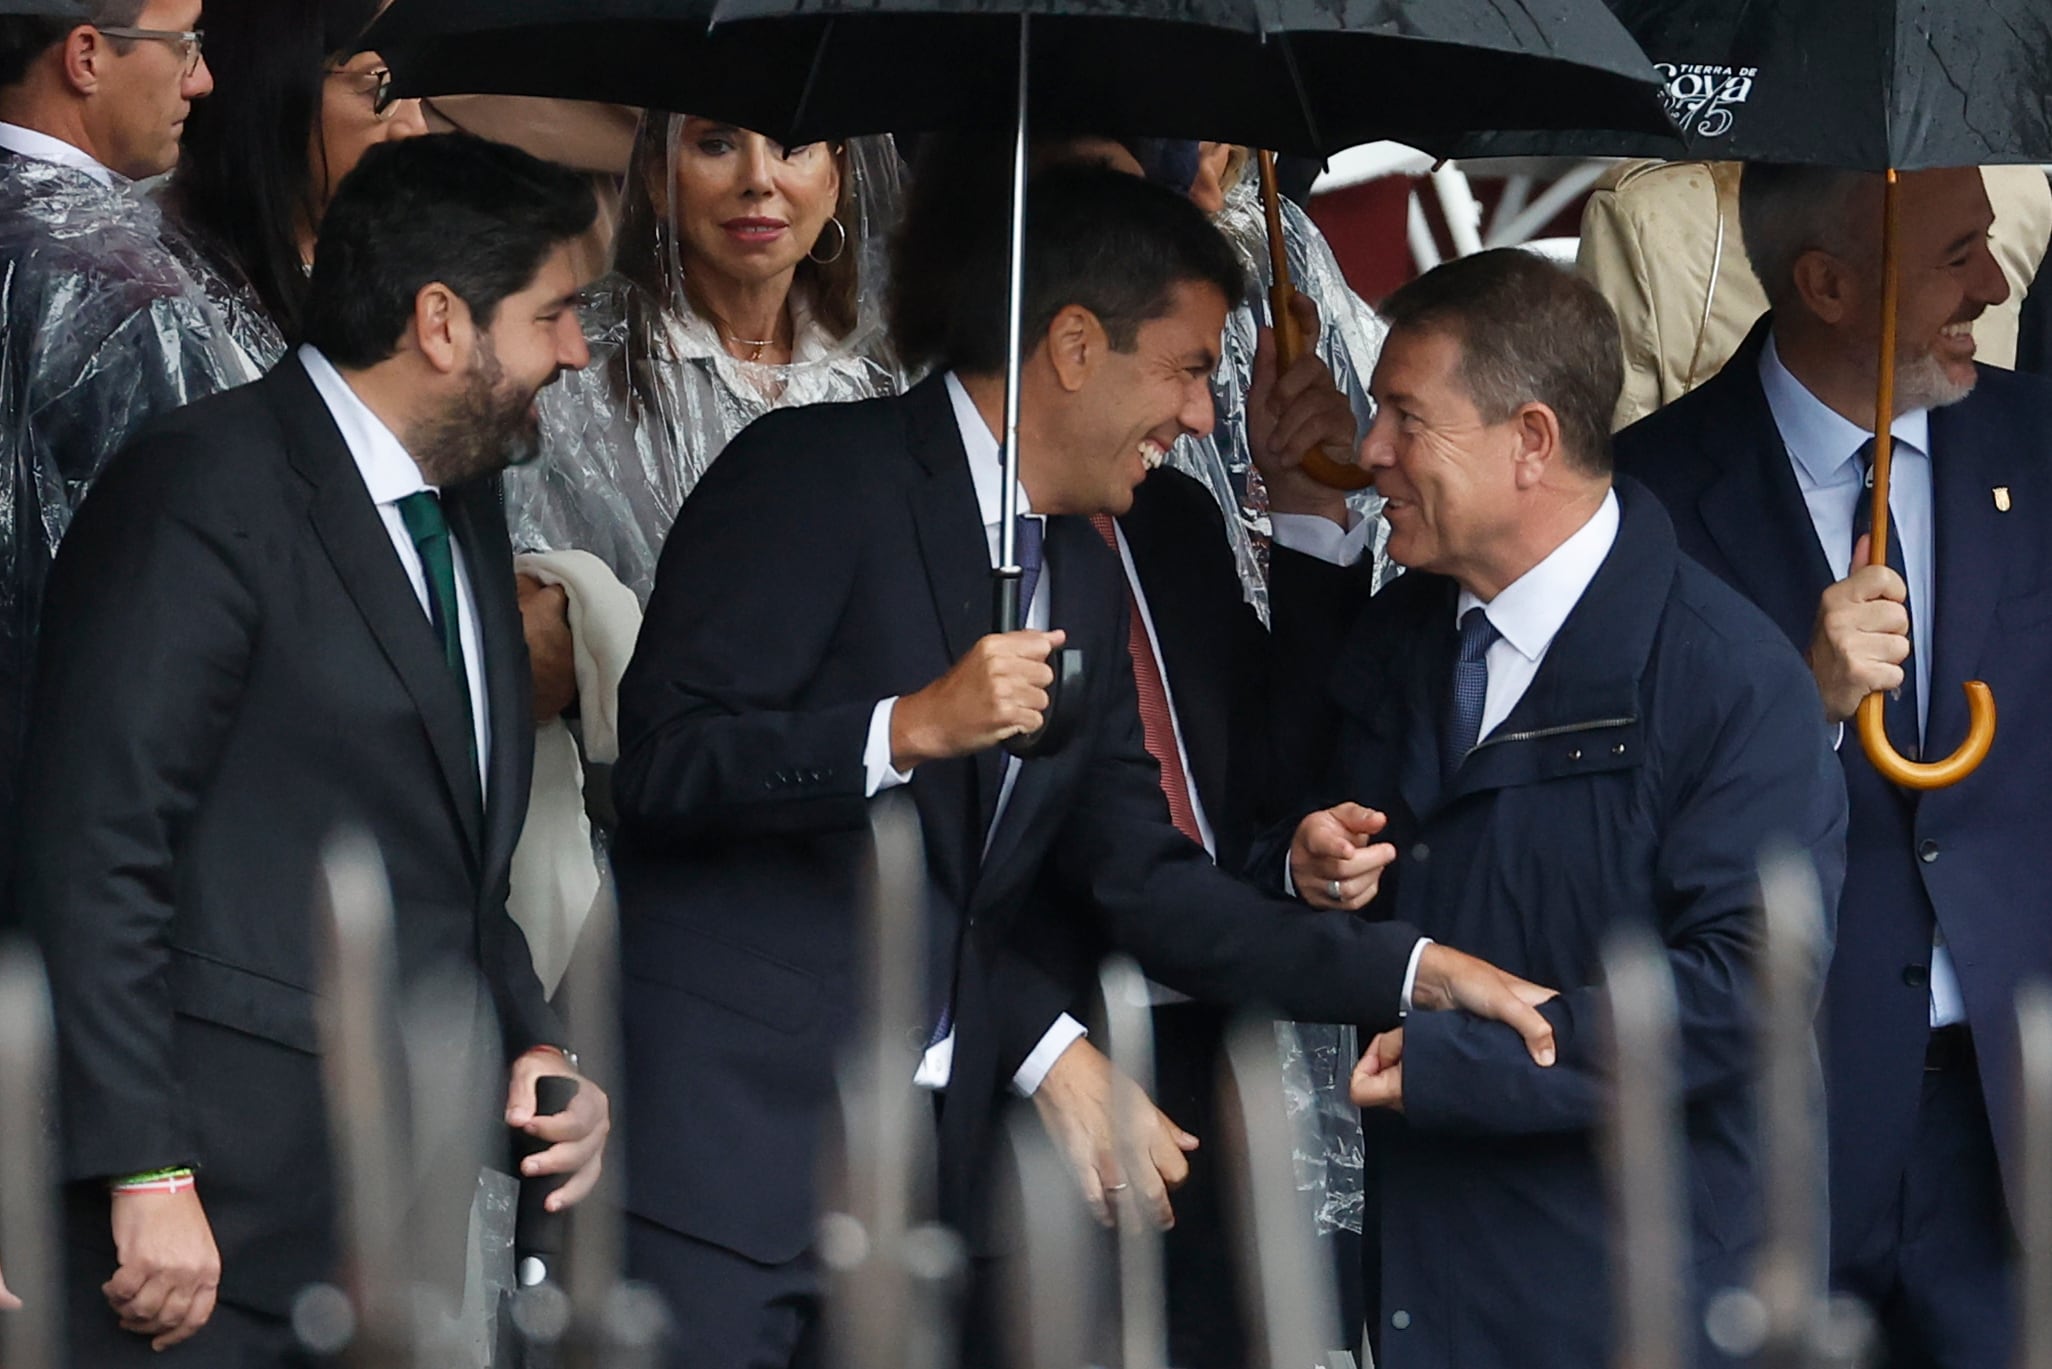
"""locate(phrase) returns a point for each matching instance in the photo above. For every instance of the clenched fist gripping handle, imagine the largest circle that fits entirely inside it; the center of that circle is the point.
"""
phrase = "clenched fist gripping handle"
(1064, 695)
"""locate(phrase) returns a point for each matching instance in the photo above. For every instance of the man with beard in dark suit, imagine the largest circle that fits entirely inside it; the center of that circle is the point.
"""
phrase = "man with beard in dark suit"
(1766, 472)
(286, 611)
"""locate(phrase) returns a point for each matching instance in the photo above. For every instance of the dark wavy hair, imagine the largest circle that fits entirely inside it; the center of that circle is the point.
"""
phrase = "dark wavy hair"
(246, 179)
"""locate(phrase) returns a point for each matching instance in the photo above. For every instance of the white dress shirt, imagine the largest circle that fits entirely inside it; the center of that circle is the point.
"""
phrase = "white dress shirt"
(1823, 447)
(1529, 610)
(26, 142)
(389, 474)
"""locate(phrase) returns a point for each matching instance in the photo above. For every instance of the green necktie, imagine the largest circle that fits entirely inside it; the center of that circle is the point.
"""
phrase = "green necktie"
(422, 514)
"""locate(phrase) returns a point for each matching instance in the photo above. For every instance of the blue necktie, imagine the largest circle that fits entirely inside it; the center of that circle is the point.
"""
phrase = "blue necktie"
(1032, 533)
(1899, 710)
(1470, 689)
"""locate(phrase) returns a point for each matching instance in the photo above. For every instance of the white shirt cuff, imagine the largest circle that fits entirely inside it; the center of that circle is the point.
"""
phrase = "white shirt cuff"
(1066, 1032)
(876, 752)
(1316, 535)
(1411, 972)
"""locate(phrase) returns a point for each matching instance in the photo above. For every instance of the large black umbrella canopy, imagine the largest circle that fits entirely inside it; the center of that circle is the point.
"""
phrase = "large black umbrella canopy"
(1868, 85)
(1308, 76)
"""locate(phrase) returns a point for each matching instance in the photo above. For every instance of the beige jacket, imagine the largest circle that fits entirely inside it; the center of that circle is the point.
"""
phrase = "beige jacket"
(1661, 241)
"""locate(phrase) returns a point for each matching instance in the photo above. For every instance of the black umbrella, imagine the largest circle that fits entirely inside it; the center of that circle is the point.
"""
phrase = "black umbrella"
(1873, 85)
(1870, 85)
(1302, 75)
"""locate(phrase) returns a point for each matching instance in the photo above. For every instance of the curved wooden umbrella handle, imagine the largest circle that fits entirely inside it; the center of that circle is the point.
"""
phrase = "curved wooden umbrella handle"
(1289, 339)
(1898, 769)
(1980, 699)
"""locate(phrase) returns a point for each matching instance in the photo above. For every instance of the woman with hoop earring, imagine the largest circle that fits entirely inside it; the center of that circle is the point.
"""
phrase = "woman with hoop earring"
(747, 276)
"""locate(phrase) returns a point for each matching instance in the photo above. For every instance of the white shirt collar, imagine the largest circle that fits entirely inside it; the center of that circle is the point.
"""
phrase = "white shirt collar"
(1821, 440)
(388, 471)
(986, 459)
(1530, 609)
(28, 143)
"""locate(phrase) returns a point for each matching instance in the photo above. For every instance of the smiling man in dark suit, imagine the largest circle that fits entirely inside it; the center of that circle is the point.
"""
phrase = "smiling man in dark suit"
(1764, 470)
(819, 633)
(287, 610)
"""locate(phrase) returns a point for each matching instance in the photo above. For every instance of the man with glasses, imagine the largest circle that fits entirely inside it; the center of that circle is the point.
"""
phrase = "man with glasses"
(103, 328)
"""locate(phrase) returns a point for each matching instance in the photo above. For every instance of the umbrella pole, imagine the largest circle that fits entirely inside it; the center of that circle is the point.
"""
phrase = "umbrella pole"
(1065, 693)
(1980, 699)
(1011, 614)
(1289, 338)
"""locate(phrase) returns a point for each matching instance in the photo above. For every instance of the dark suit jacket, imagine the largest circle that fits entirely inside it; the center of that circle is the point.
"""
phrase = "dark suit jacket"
(1668, 736)
(835, 556)
(234, 666)
(1975, 859)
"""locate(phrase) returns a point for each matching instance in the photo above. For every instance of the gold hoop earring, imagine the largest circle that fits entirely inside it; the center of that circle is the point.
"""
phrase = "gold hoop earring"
(840, 245)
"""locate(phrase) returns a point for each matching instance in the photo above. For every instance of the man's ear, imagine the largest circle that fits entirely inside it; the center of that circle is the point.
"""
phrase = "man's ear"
(1539, 448)
(1076, 343)
(1828, 287)
(443, 328)
(83, 52)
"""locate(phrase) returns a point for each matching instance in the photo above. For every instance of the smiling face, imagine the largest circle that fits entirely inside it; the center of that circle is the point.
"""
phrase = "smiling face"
(1450, 479)
(142, 94)
(747, 208)
(1121, 411)
(1948, 276)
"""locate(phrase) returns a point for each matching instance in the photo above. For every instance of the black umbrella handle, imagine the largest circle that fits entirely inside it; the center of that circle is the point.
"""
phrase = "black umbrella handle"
(537, 1232)
(1064, 695)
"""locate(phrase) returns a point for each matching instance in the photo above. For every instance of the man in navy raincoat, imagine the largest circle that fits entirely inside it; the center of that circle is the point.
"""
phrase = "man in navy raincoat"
(1555, 725)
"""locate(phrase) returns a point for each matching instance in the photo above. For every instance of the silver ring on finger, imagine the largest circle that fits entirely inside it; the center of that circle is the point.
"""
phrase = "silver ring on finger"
(1116, 1188)
(1332, 891)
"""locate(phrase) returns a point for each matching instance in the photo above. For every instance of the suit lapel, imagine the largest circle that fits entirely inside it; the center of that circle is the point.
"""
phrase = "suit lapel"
(480, 528)
(1755, 511)
(955, 557)
(360, 549)
(1967, 562)
(1077, 562)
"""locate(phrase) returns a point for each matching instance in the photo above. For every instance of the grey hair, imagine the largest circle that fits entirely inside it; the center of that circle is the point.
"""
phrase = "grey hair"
(1785, 211)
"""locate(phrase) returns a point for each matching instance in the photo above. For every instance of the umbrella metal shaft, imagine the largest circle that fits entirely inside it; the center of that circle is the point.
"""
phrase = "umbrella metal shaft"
(1011, 613)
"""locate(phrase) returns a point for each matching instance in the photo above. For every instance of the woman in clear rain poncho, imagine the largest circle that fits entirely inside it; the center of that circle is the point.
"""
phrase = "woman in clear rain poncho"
(747, 277)
(294, 108)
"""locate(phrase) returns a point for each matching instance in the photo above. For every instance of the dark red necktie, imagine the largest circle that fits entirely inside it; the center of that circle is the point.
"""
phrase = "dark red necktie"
(1156, 722)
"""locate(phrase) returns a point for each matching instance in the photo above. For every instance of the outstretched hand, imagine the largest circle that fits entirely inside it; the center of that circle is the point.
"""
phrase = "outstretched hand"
(1448, 978)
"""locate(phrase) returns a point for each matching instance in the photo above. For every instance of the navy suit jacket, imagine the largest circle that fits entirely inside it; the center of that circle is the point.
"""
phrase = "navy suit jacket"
(1668, 736)
(834, 556)
(1975, 859)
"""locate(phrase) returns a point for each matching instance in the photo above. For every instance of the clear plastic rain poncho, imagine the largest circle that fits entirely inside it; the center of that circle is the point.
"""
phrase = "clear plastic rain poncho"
(1349, 340)
(104, 330)
(626, 439)
(1318, 1059)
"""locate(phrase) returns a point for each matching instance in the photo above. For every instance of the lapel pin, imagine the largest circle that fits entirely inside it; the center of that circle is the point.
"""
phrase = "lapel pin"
(2002, 498)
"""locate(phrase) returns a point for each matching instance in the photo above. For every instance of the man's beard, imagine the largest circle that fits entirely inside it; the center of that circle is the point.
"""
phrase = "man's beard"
(488, 427)
(1922, 382)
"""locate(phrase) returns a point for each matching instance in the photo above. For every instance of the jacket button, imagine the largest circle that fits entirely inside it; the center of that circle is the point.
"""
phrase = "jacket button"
(1575, 754)
(1927, 850)
(1400, 1319)
(1421, 853)
(1617, 750)
(1916, 976)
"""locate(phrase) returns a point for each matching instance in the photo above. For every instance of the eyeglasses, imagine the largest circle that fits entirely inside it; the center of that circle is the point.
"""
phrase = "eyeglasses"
(383, 103)
(190, 41)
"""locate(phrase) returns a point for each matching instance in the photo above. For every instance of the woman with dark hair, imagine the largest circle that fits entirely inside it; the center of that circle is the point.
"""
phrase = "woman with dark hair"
(747, 276)
(293, 110)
